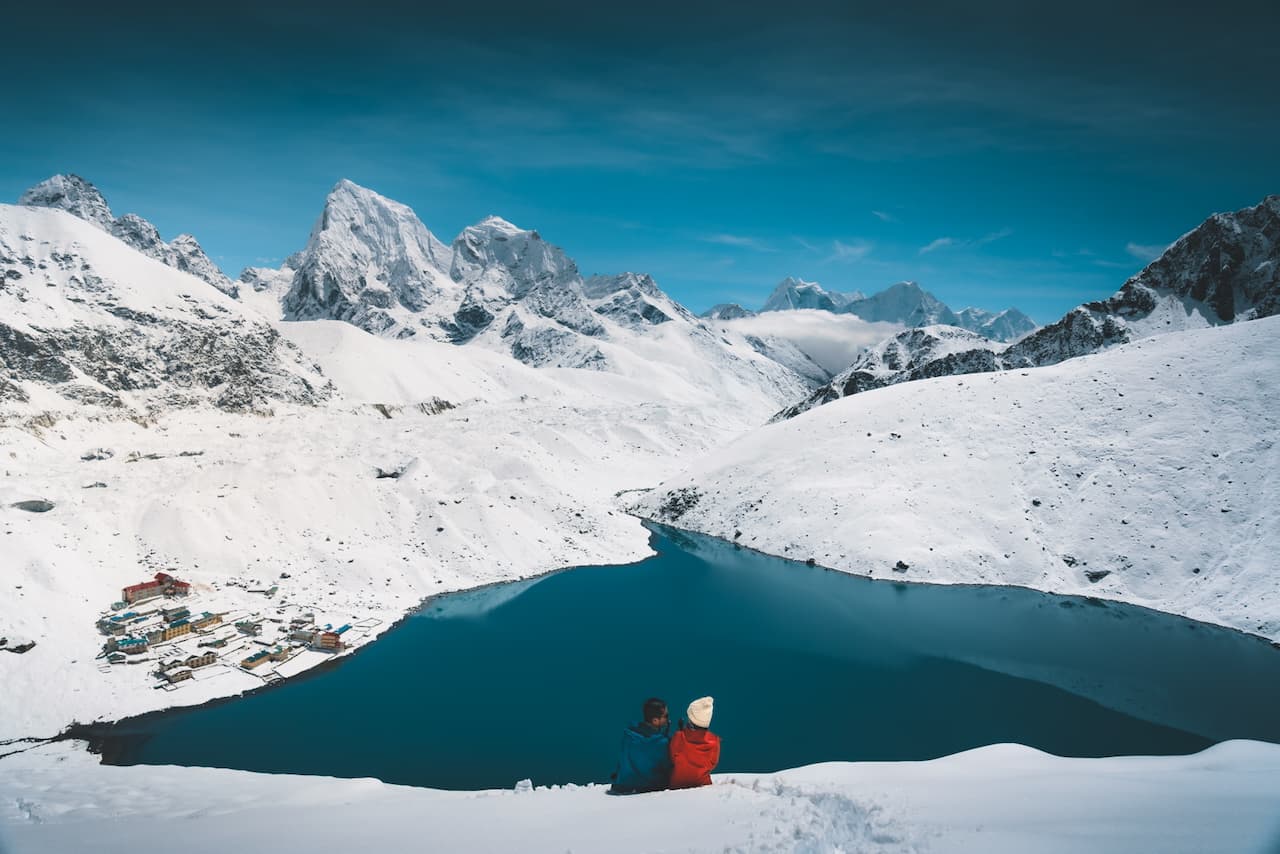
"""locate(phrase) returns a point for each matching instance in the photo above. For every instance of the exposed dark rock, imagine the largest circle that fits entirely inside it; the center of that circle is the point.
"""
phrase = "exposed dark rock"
(1096, 575)
(679, 502)
(901, 567)
(35, 505)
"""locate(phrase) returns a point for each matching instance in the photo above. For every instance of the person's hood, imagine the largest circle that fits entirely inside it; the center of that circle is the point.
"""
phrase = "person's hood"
(644, 732)
(700, 741)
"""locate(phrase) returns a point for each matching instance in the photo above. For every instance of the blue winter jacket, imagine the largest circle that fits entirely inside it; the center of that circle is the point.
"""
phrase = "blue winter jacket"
(644, 765)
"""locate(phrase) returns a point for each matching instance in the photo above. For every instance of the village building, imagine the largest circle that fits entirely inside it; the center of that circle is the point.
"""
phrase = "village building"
(202, 660)
(263, 656)
(327, 641)
(249, 627)
(175, 613)
(162, 585)
(177, 675)
(169, 632)
(206, 620)
(130, 646)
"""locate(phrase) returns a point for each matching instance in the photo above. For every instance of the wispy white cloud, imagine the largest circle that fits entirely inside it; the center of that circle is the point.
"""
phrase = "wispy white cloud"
(994, 236)
(1144, 252)
(841, 251)
(939, 243)
(884, 217)
(955, 242)
(737, 241)
(831, 340)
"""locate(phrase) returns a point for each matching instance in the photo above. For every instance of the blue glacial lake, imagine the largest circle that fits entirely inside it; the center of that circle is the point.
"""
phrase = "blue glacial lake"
(536, 679)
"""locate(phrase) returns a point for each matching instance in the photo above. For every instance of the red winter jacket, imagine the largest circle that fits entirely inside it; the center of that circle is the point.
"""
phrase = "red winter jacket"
(694, 754)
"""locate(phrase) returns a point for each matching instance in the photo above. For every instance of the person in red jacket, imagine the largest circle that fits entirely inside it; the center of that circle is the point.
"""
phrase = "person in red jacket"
(694, 749)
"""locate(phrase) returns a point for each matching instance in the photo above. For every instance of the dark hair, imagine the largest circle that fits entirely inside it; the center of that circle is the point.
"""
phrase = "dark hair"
(653, 708)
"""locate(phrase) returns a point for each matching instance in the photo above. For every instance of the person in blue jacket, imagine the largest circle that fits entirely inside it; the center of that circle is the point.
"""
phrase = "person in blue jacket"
(645, 765)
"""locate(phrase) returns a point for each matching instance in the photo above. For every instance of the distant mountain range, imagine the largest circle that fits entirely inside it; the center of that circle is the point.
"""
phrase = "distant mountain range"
(905, 302)
(91, 335)
(1225, 270)
(72, 326)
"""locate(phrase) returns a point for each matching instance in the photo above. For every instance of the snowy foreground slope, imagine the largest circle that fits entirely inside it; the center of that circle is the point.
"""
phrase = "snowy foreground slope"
(1003, 799)
(1148, 474)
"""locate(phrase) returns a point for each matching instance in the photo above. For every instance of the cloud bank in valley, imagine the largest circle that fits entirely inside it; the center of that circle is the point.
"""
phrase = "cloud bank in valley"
(831, 340)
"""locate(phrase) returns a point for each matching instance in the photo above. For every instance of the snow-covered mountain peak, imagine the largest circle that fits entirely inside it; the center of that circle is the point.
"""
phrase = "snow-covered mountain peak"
(727, 311)
(904, 302)
(498, 254)
(72, 194)
(369, 261)
(793, 293)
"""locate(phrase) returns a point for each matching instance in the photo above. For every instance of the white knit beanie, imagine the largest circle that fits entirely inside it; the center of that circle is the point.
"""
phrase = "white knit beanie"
(700, 711)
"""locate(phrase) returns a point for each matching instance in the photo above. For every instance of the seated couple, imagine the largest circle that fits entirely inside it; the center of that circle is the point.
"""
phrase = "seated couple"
(653, 759)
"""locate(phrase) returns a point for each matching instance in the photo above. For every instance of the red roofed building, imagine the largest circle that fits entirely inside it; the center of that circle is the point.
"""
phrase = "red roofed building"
(163, 584)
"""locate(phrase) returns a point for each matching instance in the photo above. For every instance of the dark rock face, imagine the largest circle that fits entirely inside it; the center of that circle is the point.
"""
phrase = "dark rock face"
(678, 502)
(36, 505)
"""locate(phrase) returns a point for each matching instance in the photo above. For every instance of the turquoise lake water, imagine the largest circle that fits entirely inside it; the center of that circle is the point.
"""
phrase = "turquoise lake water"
(537, 679)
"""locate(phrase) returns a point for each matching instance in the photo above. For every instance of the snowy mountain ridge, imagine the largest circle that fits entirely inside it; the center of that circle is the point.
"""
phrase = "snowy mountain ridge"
(1224, 271)
(81, 199)
(904, 303)
(792, 293)
(89, 326)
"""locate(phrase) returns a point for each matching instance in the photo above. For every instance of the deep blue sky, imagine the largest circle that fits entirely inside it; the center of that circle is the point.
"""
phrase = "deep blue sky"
(1000, 153)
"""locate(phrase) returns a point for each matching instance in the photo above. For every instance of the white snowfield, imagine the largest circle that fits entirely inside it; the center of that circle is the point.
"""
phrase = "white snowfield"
(1156, 462)
(1002, 799)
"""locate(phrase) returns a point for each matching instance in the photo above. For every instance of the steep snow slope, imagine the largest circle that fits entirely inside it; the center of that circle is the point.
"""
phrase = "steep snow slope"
(88, 325)
(1002, 799)
(81, 199)
(1146, 474)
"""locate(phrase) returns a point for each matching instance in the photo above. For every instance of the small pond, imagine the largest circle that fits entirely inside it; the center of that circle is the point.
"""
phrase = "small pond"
(536, 679)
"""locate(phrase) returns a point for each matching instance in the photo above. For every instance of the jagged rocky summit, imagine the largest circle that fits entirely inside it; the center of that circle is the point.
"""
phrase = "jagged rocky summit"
(370, 261)
(1226, 270)
(793, 293)
(78, 197)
